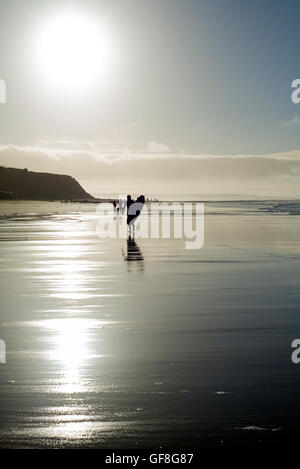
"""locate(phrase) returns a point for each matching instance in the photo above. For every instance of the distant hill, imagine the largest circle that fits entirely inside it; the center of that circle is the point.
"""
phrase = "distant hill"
(24, 184)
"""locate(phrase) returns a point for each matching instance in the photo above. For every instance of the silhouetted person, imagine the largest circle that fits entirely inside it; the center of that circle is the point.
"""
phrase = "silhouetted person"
(115, 206)
(130, 201)
(134, 209)
(122, 205)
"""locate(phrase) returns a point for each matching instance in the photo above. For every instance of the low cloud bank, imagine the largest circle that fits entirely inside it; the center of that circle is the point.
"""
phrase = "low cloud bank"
(110, 167)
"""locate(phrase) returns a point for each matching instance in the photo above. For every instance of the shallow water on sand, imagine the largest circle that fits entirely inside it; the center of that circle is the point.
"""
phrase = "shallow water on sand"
(147, 344)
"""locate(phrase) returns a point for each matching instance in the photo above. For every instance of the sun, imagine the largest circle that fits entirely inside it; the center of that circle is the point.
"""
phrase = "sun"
(73, 52)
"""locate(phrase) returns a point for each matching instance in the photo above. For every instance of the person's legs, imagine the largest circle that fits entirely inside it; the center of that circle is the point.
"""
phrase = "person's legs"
(129, 229)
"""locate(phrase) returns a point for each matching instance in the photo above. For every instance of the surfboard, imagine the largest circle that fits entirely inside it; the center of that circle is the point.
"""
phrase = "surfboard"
(135, 209)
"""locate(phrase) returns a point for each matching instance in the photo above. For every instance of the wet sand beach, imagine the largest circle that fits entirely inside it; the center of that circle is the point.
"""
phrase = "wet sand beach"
(113, 344)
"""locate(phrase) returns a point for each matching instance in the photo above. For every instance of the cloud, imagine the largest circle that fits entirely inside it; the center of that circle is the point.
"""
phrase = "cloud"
(109, 167)
(154, 147)
(294, 121)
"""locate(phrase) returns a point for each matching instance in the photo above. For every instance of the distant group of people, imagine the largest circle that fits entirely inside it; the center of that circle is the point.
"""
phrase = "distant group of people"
(134, 208)
(120, 208)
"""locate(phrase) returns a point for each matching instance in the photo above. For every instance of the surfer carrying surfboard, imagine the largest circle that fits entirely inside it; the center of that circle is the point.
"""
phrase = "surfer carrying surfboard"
(134, 209)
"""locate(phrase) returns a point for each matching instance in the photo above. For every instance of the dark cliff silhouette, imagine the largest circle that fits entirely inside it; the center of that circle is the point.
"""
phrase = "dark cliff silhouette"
(24, 184)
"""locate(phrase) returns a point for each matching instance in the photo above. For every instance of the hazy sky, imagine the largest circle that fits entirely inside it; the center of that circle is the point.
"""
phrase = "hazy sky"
(192, 88)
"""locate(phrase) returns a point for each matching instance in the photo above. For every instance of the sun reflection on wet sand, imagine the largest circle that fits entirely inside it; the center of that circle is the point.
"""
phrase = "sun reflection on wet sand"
(71, 349)
(115, 350)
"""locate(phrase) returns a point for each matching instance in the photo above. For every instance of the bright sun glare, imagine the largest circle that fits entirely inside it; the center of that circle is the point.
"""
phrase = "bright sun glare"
(73, 51)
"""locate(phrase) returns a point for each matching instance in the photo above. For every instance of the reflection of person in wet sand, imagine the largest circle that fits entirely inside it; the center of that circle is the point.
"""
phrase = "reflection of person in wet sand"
(134, 253)
(134, 209)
